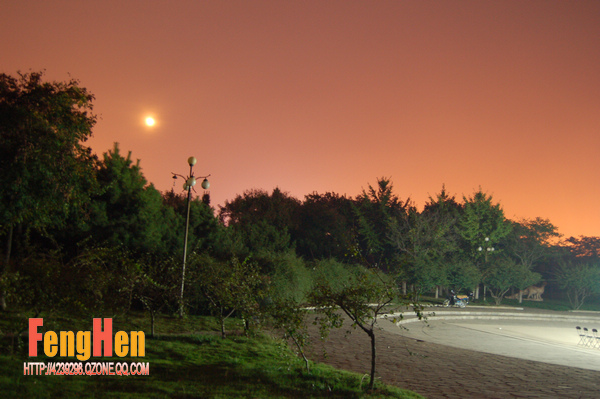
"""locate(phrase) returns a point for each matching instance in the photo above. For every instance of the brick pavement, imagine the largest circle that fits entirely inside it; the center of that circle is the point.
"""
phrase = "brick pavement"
(438, 371)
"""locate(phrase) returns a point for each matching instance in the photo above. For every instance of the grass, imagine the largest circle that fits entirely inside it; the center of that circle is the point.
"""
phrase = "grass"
(548, 304)
(191, 365)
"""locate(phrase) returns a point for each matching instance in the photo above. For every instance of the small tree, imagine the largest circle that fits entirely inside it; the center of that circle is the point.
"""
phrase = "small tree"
(229, 287)
(505, 274)
(157, 285)
(579, 280)
(290, 318)
(362, 298)
(462, 273)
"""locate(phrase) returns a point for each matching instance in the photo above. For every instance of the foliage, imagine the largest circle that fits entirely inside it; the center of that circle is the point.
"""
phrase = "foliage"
(335, 274)
(584, 247)
(128, 212)
(45, 171)
(204, 230)
(504, 274)
(46, 174)
(482, 224)
(326, 226)
(579, 280)
(265, 221)
(157, 285)
(289, 278)
(423, 246)
(98, 280)
(531, 240)
(530, 243)
(482, 227)
(228, 287)
(462, 273)
(290, 317)
(362, 299)
(376, 209)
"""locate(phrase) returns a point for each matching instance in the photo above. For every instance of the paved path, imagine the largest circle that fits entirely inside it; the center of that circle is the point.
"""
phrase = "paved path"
(435, 361)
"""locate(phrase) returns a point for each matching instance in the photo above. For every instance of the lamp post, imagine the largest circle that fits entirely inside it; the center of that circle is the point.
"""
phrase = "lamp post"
(190, 181)
(488, 249)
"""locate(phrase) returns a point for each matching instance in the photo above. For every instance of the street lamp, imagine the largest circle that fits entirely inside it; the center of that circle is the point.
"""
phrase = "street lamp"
(189, 183)
(488, 249)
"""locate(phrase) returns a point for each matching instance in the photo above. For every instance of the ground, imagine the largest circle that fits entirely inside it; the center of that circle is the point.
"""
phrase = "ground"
(439, 371)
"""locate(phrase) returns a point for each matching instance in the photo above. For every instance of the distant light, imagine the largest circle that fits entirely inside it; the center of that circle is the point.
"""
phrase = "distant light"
(150, 121)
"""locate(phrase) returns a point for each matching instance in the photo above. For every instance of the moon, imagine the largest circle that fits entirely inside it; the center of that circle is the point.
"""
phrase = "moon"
(150, 121)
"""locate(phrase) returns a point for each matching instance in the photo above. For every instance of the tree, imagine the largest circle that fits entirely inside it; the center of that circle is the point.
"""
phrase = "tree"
(289, 317)
(128, 211)
(482, 226)
(289, 278)
(462, 273)
(584, 247)
(42, 159)
(204, 228)
(443, 205)
(376, 209)
(579, 280)
(362, 298)
(504, 274)
(445, 212)
(423, 244)
(529, 242)
(46, 173)
(156, 284)
(266, 222)
(326, 226)
(228, 287)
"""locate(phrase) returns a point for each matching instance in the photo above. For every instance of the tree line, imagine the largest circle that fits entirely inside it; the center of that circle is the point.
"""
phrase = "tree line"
(84, 234)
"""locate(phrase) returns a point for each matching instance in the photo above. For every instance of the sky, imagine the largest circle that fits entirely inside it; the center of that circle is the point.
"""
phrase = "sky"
(328, 96)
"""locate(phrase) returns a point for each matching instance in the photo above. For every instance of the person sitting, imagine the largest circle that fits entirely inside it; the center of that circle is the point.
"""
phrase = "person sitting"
(452, 298)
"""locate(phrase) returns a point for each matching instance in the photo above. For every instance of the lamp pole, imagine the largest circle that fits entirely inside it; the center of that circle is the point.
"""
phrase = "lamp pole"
(190, 181)
(487, 250)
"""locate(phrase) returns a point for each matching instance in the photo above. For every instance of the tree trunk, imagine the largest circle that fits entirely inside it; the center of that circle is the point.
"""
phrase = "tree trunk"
(222, 320)
(373, 357)
(152, 323)
(9, 240)
(301, 350)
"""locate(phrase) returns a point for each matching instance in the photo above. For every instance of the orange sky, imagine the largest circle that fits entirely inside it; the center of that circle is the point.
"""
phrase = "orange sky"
(330, 95)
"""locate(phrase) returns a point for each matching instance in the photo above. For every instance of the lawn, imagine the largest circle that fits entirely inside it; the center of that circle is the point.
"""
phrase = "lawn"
(188, 359)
